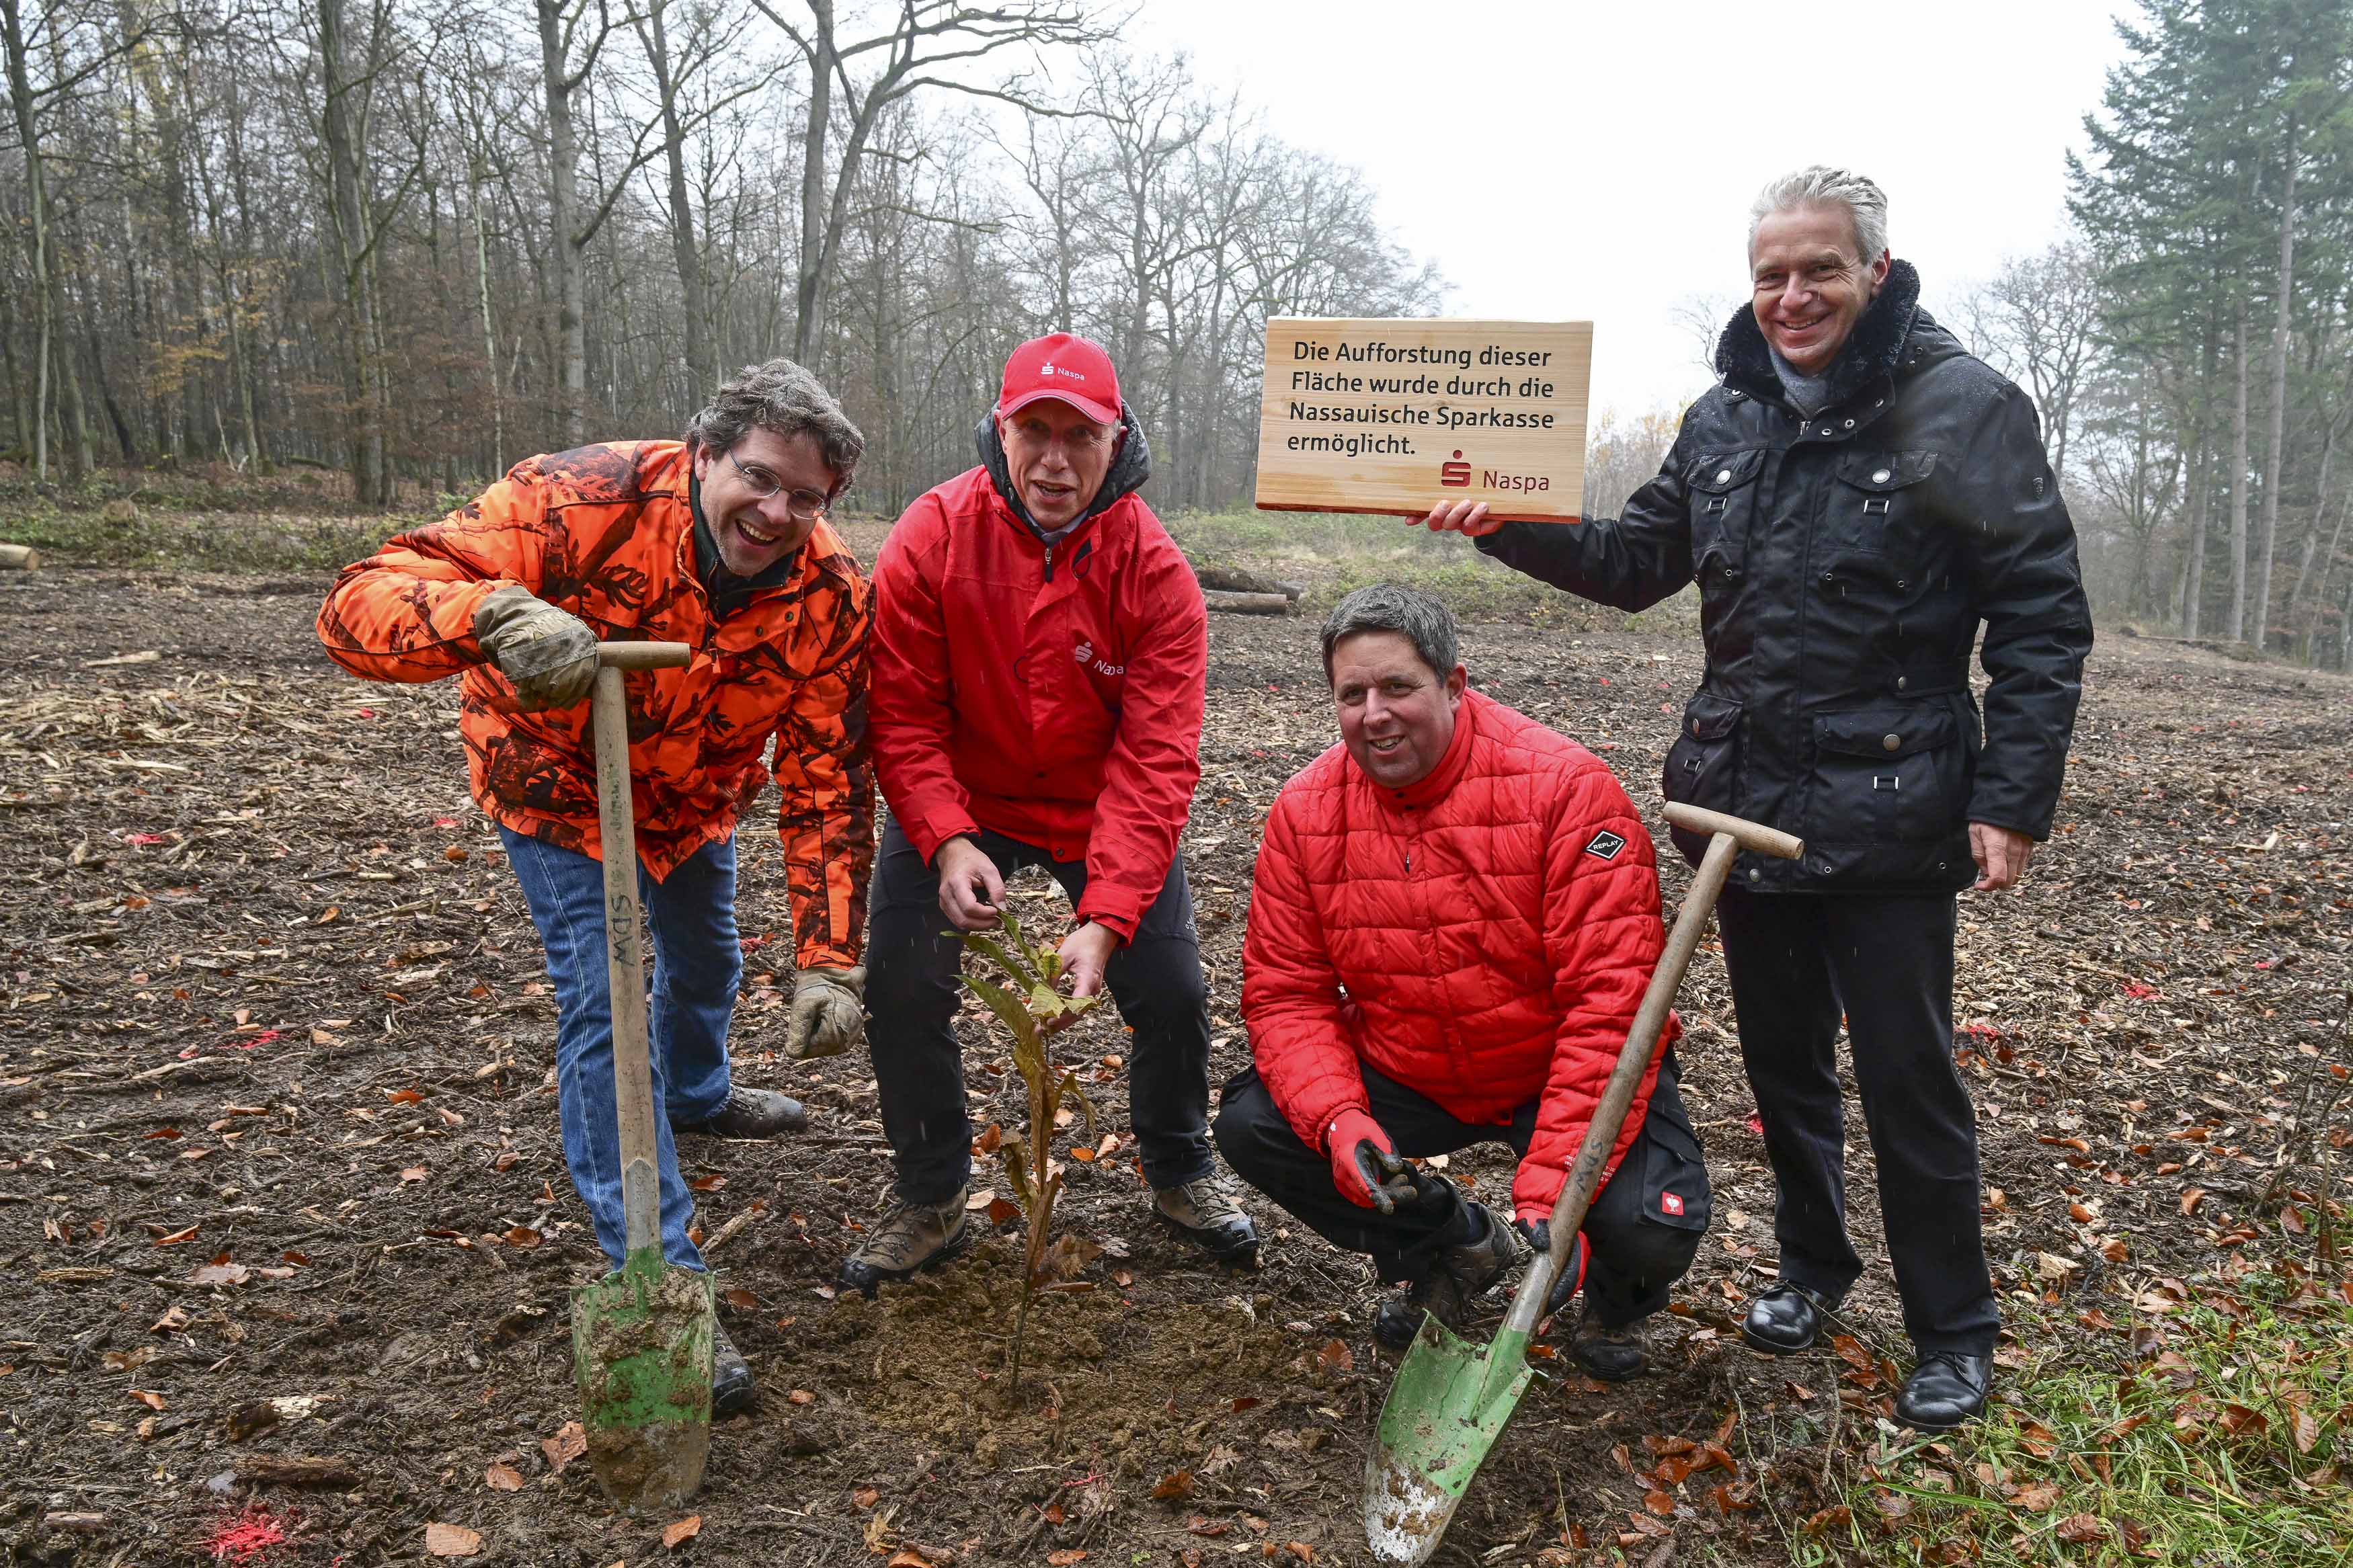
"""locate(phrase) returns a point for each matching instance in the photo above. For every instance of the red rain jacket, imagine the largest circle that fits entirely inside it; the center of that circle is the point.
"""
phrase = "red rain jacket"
(1494, 927)
(1050, 695)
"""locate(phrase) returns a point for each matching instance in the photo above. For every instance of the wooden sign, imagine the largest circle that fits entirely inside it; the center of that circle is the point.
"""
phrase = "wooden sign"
(1397, 416)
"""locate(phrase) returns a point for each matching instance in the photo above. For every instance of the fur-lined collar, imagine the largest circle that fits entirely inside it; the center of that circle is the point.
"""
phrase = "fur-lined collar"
(1873, 349)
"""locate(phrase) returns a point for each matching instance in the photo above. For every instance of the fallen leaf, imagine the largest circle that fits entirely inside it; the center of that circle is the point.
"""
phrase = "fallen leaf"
(1300, 1550)
(980, 1200)
(455, 853)
(451, 1541)
(1335, 1357)
(152, 1401)
(178, 1236)
(568, 1443)
(220, 1271)
(1659, 1502)
(865, 1497)
(413, 1174)
(404, 1095)
(801, 1396)
(1002, 1211)
(1082, 1154)
(2191, 1199)
(1174, 1486)
(174, 1320)
(522, 1235)
(904, 1559)
(1066, 1556)
(503, 1478)
(686, 1529)
(742, 1301)
(2040, 1497)
(708, 1184)
(2082, 1528)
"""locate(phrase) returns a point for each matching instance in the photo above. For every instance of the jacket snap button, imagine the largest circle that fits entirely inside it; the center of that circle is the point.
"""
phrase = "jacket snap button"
(1723, 475)
(1730, 573)
(1850, 423)
(1694, 726)
(1754, 875)
(1881, 476)
(1830, 576)
(1901, 681)
(1891, 742)
(1900, 582)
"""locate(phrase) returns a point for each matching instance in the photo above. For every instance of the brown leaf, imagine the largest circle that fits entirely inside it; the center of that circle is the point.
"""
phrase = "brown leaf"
(1672, 1470)
(152, 1401)
(524, 1236)
(1066, 1556)
(1002, 1211)
(415, 1174)
(2040, 1497)
(2304, 1429)
(178, 1236)
(1174, 1486)
(686, 1529)
(990, 1137)
(1335, 1357)
(451, 1541)
(742, 1301)
(503, 1478)
(220, 1271)
(1659, 1503)
(1300, 1550)
(1082, 1154)
(454, 853)
(568, 1443)
(2083, 1528)
(865, 1497)
(905, 1559)
(801, 1396)
(174, 1320)
(404, 1095)
(708, 1184)
(2190, 1196)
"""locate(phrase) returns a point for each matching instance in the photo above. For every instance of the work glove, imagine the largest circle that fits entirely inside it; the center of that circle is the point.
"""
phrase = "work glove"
(548, 653)
(829, 1011)
(1537, 1234)
(1364, 1165)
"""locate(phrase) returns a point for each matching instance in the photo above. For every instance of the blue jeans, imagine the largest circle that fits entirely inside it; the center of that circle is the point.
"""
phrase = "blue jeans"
(698, 959)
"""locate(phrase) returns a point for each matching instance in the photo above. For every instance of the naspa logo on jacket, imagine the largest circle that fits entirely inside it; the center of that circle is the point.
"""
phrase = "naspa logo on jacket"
(1085, 653)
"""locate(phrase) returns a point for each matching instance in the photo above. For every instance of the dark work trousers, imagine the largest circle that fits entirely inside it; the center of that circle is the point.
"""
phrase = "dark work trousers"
(1641, 1232)
(913, 957)
(1797, 960)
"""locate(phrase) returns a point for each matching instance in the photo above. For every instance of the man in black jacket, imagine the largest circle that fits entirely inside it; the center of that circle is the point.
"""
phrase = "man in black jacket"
(1855, 496)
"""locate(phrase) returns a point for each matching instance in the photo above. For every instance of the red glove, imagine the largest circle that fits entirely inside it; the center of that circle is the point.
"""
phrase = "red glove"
(1364, 1165)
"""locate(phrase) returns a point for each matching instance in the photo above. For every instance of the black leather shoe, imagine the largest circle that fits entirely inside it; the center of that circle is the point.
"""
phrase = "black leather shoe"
(1784, 1321)
(1944, 1390)
(731, 1391)
(752, 1113)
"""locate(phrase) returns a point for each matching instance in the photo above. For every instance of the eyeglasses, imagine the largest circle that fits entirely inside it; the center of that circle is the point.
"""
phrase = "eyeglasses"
(805, 506)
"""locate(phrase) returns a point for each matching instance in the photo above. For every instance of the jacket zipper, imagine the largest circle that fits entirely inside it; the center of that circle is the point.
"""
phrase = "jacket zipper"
(1049, 563)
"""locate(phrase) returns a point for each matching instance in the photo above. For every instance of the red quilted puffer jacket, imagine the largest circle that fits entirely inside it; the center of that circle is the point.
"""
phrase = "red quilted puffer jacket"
(1493, 927)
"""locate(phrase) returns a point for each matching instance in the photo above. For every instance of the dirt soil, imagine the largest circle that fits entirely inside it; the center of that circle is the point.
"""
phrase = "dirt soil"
(282, 1201)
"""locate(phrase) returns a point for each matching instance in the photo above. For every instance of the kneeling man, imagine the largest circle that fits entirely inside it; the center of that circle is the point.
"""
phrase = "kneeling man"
(1455, 915)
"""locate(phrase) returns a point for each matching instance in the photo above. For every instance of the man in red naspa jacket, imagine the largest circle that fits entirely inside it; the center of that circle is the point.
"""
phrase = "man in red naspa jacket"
(1454, 917)
(1040, 654)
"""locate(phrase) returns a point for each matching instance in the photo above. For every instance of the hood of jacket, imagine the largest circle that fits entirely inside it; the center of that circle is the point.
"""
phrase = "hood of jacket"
(1130, 467)
(1872, 351)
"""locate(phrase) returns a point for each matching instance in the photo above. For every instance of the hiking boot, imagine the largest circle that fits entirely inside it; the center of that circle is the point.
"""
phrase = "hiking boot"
(912, 1237)
(1608, 1354)
(1464, 1270)
(732, 1390)
(751, 1113)
(1205, 1213)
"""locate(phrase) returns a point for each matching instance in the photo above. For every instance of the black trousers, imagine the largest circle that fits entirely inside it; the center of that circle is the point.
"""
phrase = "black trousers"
(1641, 1232)
(1797, 962)
(913, 957)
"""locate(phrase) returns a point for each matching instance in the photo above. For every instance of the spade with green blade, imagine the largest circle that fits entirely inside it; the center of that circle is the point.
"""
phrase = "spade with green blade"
(641, 1336)
(1451, 1398)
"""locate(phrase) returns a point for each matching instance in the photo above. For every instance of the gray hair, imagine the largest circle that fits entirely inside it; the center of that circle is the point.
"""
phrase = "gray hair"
(780, 396)
(1822, 184)
(1422, 619)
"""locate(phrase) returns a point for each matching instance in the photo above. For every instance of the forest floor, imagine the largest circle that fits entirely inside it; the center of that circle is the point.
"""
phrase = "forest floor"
(281, 1179)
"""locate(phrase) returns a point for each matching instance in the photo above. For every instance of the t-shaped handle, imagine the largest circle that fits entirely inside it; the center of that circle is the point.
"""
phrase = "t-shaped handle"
(642, 655)
(1748, 834)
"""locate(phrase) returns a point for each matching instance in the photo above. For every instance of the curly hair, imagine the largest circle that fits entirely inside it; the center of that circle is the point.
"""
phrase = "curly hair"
(780, 396)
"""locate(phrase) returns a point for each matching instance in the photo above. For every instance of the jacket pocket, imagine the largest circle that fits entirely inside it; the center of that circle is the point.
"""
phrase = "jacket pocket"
(1888, 787)
(1674, 1192)
(1723, 495)
(1879, 499)
(1704, 764)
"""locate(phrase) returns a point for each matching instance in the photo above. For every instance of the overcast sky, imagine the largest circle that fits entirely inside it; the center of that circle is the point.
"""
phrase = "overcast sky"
(1562, 160)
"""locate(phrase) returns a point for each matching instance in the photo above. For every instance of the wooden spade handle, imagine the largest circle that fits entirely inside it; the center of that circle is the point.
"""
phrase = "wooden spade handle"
(642, 655)
(633, 1077)
(1730, 836)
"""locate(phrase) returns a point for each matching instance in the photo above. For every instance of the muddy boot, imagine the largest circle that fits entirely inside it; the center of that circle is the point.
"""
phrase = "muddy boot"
(1608, 1354)
(1464, 1270)
(731, 1391)
(1205, 1213)
(911, 1237)
(752, 1113)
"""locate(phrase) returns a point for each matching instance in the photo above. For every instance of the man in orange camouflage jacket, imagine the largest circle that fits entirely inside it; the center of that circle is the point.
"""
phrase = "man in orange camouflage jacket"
(718, 541)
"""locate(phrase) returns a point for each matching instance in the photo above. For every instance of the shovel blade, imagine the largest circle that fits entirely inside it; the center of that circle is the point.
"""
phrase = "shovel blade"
(641, 1343)
(1451, 1401)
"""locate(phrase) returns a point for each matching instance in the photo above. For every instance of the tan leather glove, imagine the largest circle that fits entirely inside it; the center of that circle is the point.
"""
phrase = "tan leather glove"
(548, 653)
(829, 1011)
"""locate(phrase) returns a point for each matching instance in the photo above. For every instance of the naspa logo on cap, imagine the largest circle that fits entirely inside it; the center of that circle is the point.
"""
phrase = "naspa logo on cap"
(1050, 368)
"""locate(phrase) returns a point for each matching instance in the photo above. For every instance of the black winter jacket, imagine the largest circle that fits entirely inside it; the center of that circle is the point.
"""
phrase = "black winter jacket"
(1844, 562)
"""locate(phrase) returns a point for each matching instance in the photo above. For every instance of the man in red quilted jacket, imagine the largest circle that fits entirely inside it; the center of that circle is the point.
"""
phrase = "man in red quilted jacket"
(1454, 917)
(1039, 655)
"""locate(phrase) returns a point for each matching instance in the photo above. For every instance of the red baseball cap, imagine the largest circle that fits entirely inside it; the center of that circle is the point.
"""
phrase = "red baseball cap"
(1065, 366)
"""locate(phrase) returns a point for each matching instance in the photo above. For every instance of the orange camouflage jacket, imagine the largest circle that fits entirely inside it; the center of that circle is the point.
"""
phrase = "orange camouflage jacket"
(607, 534)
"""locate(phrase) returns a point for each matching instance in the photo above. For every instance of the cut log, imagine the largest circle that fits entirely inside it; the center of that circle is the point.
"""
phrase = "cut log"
(1234, 580)
(1247, 603)
(19, 558)
(295, 1470)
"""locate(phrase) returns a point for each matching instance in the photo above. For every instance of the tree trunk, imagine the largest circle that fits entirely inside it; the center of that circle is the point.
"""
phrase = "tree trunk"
(48, 289)
(347, 210)
(684, 245)
(563, 202)
(2238, 626)
(808, 291)
(2273, 476)
(489, 332)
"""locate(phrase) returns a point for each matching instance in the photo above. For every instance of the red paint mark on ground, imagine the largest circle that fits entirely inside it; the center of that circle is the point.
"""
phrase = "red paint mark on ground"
(245, 1538)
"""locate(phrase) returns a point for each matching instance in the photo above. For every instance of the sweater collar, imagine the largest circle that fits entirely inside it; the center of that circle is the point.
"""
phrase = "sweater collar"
(1434, 786)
